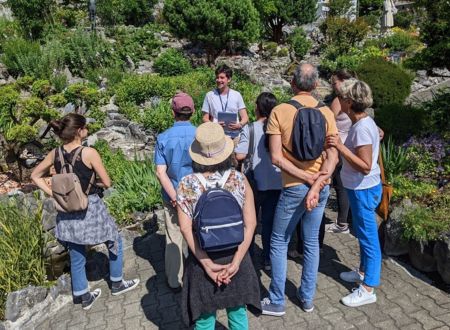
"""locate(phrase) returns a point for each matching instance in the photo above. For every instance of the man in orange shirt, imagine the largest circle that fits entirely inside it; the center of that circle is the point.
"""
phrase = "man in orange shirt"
(304, 194)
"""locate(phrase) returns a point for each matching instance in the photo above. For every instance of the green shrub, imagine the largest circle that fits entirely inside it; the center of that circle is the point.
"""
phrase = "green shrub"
(21, 57)
(299, 43)
(80, 93)
(21, 249)
(136, 185)
(429, 221)
(58, 81)
(389, 83)
(128, 12)
(404, 19)
(395, 159)
(283, 52)
(32, 15)
(270, 49)
(57, 100)
(437, 112)
(332, 61)
(400, 121)
(339, 7)
(371, 11)
(399, 41)
(172, 63)
(41, 88)
(8, 30)
(410, 188)
(217, 24)
(159, 118)
(342, 34)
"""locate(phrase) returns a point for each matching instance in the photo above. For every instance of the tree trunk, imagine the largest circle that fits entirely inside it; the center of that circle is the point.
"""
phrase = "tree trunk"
(277, 32)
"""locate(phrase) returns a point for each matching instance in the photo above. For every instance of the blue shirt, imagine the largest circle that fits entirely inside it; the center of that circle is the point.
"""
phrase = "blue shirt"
(172, 150)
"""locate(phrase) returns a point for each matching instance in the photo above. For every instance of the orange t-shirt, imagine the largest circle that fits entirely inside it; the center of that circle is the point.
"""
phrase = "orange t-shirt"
(281, 122)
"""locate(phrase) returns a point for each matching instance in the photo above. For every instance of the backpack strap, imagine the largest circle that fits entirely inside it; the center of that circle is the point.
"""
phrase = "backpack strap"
(221, 182)
(251, 143)
(62, 161)
(224, 179)
(202, 180)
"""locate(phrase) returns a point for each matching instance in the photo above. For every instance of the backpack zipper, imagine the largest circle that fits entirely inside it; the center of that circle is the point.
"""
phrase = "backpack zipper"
(207, 228)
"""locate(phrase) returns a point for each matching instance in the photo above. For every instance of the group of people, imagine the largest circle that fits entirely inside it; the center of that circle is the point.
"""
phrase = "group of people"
(286, 193)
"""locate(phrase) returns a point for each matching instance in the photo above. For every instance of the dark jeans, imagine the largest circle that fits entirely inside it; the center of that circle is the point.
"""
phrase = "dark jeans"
(341, 195)
(298, 241)
(267, 200)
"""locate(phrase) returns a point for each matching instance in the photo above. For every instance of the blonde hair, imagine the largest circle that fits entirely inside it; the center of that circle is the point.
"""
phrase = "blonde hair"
(357, 91)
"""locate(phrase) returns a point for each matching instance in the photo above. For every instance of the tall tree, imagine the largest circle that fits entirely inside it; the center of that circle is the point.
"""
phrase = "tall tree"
(275, 14)
(217, 24)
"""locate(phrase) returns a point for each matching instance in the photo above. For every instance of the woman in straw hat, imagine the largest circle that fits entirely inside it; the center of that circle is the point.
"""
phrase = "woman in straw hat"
(225, 279)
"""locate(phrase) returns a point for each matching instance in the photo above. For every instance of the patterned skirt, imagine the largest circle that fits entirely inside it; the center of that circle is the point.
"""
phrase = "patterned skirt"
(201, 295)
(89, 227)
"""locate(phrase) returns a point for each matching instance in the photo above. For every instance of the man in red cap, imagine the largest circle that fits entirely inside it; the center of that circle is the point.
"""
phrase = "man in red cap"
(173, 163)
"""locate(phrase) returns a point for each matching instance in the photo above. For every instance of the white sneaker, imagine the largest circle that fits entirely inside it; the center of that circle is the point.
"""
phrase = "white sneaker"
(360, 296)
(335, 228)
(353, 276)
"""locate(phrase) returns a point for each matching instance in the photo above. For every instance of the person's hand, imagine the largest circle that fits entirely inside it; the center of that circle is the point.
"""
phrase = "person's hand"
(221, 123)
(214, 271)
(235, 126)
(334, 141)
(173, 202)
(313, 177)
(312, 199)
(229, 272)
(380, 133)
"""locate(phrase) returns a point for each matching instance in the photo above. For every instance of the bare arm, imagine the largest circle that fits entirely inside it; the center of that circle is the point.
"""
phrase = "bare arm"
(278, 159)
(361, 160)
(161, 173)
(335, 106)
(244, 117)
(41, 170)
(205, 117)
(93, 158)
(240, 156)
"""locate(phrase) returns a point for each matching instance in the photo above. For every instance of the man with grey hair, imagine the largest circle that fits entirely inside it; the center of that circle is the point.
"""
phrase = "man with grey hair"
(304, 194)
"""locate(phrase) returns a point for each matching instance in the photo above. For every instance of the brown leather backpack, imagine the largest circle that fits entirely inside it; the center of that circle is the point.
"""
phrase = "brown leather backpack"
(66, 186)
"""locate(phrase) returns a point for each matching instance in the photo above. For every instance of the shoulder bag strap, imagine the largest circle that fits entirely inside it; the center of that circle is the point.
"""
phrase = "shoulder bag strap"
(380, 163)
(224, 179)
(61, 159)
(251, 142)
(297, 105)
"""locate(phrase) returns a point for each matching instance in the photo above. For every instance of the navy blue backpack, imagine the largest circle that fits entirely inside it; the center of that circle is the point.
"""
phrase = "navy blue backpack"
(308, 133)
(218, 219)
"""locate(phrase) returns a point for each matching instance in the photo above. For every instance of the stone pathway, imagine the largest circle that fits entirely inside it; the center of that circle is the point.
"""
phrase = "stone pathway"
(404, 301)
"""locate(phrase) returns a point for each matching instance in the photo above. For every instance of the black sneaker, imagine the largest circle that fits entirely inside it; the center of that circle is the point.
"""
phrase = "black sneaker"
(87, 304)
(124, 286)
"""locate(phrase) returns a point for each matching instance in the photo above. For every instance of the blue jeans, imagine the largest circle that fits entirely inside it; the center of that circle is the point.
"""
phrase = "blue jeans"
(290, 210)
(78, 271)
(363, 204)
(267, 200)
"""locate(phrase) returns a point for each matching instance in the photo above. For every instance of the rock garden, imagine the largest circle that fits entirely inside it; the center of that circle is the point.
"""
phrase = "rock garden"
(120, 66)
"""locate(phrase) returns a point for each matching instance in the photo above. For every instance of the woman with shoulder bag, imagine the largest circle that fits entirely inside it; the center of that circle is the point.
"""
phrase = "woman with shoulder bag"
(86, 226)
(224, 279)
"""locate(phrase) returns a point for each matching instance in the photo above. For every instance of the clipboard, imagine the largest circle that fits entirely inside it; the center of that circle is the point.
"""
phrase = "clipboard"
(228, 118)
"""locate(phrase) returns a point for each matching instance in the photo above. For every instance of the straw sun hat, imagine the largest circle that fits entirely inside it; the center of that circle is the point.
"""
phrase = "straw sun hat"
(211, 146)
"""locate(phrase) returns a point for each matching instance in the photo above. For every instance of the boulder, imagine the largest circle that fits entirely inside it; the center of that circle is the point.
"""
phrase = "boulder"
(442, 255)
(421, 255)
(19, 302)
(49, 213)
(394, 245)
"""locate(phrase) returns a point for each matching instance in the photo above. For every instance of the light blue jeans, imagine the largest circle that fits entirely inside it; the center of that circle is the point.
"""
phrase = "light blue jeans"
(78, 271)
(290, 210)
(363, 204)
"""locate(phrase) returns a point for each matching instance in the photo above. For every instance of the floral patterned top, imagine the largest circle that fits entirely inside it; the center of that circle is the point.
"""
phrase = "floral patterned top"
(190, 189)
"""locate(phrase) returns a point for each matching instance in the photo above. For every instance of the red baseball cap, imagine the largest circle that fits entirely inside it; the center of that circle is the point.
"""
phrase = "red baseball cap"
(181, 101)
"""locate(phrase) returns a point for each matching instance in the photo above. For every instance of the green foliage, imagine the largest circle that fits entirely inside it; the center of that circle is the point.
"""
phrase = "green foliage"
(429, 221)
(8, 30)
(135, 183)
(21, 249)
(58, 81)
(399, 41)
(410, 188)
(389, 83)
(32, 15)
(437, 112)
(9, 96)
(57, 100)
(172, 63)
(217, 24)
(435, 33)
(128, 12)
(342, 35)
(275, 14)
(404, 19)
(395, 159)
(80, 93)
(339, 7)
(371, 11)
(158, 118)
(299, 43)
(332, 61)
(41, 88)
(270, 49)
(21, 57)
(400, 121)
(421, 162)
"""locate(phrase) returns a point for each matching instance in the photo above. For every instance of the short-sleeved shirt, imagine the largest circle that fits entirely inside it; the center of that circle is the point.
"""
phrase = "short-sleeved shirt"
(281, 122)
(267, 176)
(215, 103)
(190, 189)
(363, 132)
(172, 150)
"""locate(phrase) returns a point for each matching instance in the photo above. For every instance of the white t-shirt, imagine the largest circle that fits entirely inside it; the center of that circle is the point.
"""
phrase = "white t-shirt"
(214, 103)
(362, 133)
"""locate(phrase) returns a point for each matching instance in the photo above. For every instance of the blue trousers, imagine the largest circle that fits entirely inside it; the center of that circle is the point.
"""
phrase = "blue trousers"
(78, 271)
(290, 210)
(363, 204)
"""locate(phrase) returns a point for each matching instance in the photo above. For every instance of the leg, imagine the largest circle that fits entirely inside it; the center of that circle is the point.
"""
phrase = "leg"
(310, 229)
(288, 212)
(269, 203)
(77, 269)
(174, 247)
(363, 204)
(322, 230)
(342, 198)
(116, 263)
(237, 318)
(206, 322)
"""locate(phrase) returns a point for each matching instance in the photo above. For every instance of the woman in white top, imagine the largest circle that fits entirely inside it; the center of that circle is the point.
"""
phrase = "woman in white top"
(361, 177)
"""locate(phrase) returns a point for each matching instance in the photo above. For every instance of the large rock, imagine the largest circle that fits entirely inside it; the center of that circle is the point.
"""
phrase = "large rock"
(421, 256)
(49, 213)
(442, 255)
(394, 245)
(18, 302)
